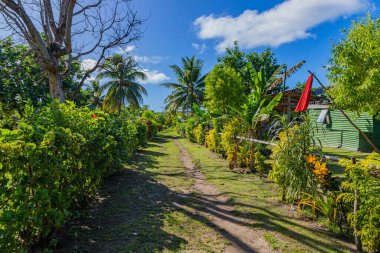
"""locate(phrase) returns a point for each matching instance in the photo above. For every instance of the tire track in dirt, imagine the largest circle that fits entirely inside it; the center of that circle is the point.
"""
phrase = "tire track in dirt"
(213, 206)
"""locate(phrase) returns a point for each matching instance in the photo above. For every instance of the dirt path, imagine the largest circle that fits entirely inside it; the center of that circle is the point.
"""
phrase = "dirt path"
(219, 212)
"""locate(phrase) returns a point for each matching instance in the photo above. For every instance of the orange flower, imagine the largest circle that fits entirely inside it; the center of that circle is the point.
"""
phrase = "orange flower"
(320, 170)
(311, 159)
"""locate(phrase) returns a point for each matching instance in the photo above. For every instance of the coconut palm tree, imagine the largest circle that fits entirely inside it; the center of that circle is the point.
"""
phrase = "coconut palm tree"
(122, 87)
(190, 85)
(96, 90)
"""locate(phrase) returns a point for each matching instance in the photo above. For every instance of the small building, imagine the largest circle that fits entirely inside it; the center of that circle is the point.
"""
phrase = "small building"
(334, 130)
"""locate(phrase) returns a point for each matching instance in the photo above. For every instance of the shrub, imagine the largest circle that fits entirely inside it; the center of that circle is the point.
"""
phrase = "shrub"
(229, 142)
(243, 154)
(363, 187)
(191, 123)
(52, 163)
(181, 128)
(290, 170)
(213, 141)
(260, 166)
(199, 134)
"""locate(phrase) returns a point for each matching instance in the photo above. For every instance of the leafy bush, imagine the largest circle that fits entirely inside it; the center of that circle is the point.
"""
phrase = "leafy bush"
(291, 171)
(199, 134)
(52, 162)
(191, 123)
(213, 141)
(260, 166)
(229, 142)
(181, 128)
(363, 187)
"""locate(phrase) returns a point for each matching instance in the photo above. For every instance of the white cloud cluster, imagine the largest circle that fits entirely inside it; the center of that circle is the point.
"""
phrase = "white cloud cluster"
(148, 59)
(154, 77)
(285, 22)
(199, 47)
(88, 64)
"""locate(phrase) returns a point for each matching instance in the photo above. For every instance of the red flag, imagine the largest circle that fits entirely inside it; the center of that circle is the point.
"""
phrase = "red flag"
(305, 97)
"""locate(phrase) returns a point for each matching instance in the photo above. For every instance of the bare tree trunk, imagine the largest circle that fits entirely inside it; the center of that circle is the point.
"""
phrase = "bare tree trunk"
(55, 85)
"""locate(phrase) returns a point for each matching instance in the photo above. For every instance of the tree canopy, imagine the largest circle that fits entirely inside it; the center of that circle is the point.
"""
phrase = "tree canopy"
(224, 90)
(354, 68)
(190, 85)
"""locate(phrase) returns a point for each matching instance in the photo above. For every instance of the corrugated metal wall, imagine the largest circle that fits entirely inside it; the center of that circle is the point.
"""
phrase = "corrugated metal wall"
(340, 133)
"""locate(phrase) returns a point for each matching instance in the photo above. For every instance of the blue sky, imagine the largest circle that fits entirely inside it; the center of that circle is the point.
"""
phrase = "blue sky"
(295, 30)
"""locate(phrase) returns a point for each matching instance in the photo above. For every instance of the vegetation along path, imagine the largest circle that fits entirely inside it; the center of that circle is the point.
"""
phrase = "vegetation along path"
(180, 197)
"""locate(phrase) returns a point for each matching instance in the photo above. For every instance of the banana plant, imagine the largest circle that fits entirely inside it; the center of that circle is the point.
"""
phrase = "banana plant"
(258, 107)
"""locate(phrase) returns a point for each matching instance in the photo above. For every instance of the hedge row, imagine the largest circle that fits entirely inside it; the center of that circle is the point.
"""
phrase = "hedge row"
(53, 162)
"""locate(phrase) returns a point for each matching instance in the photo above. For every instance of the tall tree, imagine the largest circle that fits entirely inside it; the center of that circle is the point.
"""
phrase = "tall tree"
(354, 68)
(234, 58)
(62, 31)
(189, 89)
(265, 61)
(224, 90)
(123, 74)
(20, 82)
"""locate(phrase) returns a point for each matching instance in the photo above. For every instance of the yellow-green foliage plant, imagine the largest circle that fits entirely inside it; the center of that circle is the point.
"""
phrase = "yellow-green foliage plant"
(229, 143)
(243, 155)
(213, 141)
(199, 134)
(191, 123)
(362, 188)
(290, 169)
(260, 166)
(52, 163)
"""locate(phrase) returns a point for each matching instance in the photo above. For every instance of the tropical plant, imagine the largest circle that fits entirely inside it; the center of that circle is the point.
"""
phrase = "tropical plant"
(232, 129)
(291, 168)
(258, 106)
(189, 88)
(122, 87)
(213, 140)
(96, 91)
(361, 190)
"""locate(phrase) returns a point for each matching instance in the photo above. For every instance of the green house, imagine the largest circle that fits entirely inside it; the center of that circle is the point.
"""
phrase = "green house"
(334, 130)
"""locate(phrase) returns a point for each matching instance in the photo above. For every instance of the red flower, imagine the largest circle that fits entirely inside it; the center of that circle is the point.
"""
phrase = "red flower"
(94, 116)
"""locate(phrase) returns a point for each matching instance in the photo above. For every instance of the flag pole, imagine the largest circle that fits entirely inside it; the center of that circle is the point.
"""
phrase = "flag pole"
(346, 116)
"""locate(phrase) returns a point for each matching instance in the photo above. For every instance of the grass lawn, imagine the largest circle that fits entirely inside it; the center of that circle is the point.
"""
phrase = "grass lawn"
(258, 200)
(342, 153)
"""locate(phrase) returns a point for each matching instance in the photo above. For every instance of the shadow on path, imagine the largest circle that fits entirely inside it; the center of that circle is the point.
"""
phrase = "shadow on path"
(129, 213)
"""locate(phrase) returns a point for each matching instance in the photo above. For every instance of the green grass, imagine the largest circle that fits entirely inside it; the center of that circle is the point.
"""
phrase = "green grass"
(344, 153)
(135, 210)
(341, 153)
(258, 200)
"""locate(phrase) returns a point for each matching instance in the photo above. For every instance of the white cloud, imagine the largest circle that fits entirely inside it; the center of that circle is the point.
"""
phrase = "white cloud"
(126, 50)
(148, 59)
(199, 47)
(88, 64)
(286, 22)
(154, 77)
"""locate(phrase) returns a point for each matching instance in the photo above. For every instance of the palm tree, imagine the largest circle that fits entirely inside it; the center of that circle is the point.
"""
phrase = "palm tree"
(190, 85)
(122, 87)
(96, 90)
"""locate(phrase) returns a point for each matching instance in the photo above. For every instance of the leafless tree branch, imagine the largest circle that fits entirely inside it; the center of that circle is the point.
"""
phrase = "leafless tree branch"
(63, 31)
